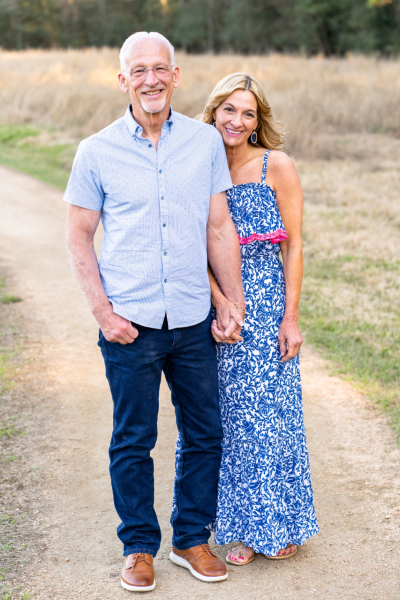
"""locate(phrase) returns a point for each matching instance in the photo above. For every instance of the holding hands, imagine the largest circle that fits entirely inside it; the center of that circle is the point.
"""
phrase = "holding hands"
(229, 322)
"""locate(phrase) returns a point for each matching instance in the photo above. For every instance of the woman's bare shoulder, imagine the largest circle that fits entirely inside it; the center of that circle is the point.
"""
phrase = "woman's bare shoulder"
(279, 160)
(281, 171)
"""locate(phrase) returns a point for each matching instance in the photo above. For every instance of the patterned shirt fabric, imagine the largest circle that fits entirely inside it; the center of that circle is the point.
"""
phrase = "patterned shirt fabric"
(265, 497)
(154, 208)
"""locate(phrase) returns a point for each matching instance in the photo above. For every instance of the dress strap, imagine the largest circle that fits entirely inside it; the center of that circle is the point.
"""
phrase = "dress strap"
(264, 169)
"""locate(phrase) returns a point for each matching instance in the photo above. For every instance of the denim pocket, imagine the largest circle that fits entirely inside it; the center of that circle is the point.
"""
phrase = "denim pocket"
(102, 344)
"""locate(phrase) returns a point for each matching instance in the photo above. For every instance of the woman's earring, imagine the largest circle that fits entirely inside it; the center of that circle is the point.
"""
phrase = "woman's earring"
(215, 124)
(253, 137)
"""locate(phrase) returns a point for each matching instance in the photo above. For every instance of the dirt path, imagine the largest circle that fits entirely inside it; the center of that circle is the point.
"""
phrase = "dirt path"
(354, 457)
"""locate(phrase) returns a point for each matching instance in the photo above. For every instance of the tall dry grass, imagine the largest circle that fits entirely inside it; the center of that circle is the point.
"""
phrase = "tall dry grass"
(332, 109)
(315, 98)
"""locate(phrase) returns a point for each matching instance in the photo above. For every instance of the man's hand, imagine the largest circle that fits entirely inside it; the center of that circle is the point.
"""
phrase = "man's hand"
(116, 329)
(290, 338)
(81, 227)
(220, 337)
(229, 323)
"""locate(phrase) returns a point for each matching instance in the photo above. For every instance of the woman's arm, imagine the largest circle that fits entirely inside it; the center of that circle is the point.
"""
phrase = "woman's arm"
(224, 310)
(283, 178)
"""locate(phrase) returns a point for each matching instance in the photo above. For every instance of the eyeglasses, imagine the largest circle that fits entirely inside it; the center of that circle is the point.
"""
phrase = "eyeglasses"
(159, 71)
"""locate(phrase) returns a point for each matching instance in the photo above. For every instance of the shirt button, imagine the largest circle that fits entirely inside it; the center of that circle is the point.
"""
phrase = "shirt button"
(160, 170)
(162, 197)
(165, 254)
(165, 281)
(164, 224)
(149, 145)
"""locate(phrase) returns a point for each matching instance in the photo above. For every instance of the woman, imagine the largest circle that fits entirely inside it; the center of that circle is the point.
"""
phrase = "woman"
(265, 498)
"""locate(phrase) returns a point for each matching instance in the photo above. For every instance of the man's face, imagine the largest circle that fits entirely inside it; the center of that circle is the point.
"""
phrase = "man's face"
(149, 90)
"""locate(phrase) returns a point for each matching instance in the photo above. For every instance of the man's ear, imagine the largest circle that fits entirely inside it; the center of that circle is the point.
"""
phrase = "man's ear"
(123, 84)
(175, 81)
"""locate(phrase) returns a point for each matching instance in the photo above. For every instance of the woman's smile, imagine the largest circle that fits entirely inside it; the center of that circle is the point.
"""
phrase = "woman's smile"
(233, 132)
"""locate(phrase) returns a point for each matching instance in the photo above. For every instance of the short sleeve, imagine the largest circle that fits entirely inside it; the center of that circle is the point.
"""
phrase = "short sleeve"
(220, 176)
(84, 186)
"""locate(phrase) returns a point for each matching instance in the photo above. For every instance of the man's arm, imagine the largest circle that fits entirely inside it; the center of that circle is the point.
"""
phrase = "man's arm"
(224, 257)
(81, 227)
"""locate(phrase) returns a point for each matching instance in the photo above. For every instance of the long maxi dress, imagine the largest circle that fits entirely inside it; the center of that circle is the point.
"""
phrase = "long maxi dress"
(265, 497)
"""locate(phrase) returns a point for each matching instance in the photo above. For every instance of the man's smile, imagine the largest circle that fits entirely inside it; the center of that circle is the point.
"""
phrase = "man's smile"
(152, 92)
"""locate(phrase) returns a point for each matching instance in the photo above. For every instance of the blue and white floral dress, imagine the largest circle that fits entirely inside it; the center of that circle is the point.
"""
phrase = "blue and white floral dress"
(265, 496)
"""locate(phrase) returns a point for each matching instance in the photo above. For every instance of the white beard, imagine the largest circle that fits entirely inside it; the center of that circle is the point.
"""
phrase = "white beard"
(153, 108)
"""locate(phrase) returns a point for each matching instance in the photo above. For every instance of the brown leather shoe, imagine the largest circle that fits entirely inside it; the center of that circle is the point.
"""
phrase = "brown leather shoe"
(138, 573)
(201, 562)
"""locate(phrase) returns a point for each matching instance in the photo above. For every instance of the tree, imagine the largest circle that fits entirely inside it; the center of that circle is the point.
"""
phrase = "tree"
(261, 25)
(335, 26)
(385, 22)
(29, 23)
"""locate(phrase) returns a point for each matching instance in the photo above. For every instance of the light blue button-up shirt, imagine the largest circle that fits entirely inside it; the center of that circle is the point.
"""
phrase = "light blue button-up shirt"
(154, 208)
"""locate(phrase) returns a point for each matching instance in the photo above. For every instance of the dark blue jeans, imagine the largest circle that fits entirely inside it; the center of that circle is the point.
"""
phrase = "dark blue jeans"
(188, 358)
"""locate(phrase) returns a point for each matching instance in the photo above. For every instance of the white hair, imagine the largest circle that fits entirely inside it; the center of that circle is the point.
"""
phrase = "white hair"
(141, 35)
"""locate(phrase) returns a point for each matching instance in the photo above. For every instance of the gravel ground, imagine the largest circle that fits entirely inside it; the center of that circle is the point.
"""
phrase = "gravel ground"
(72, 551)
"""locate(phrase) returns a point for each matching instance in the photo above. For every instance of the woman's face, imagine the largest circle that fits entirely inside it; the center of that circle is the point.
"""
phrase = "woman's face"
(236, 117)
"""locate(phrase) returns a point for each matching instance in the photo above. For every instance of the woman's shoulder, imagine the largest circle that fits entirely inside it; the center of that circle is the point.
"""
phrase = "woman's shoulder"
(279, 160)
(280, 168)
(281, 172)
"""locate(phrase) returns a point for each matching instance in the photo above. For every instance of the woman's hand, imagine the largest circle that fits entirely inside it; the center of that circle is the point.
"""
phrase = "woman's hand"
(220, 337)
(290, 338)
(227, 327)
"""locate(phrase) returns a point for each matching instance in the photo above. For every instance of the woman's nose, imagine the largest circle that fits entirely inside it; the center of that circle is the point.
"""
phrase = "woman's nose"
(236, 122)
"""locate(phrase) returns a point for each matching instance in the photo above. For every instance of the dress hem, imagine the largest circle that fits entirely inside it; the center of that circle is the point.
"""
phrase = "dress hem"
(264, 549)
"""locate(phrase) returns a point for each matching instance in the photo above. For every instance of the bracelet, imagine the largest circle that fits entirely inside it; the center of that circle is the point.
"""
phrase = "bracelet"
(240, 308)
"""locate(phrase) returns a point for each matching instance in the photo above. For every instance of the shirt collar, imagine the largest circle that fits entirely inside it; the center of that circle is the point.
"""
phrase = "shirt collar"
(135, 129)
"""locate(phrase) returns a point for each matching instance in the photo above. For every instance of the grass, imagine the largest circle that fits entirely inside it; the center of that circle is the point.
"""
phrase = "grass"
(35, 151)
(6, 429)
(343, 128)
(350, 307)
(365, 349)
(5, 297)
(8, 369)
(9, 594)
(14, 445)
(10, 299)
(77, 90)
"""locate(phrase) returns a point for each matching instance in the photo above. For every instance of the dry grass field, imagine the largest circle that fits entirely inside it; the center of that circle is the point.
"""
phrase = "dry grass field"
(316, 98)
(342, 119)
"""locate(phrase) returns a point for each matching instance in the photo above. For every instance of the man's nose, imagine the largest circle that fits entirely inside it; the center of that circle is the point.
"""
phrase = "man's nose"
(150, 79)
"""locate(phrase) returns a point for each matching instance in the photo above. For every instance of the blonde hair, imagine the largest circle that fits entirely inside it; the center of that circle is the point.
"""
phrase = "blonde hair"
(268, 129)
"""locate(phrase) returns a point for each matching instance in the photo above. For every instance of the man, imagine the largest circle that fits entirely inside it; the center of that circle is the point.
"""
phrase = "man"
(157, 180)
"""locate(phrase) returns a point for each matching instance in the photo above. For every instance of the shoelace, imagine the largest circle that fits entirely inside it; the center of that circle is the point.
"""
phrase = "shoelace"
(205, 549)
(140, 557)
